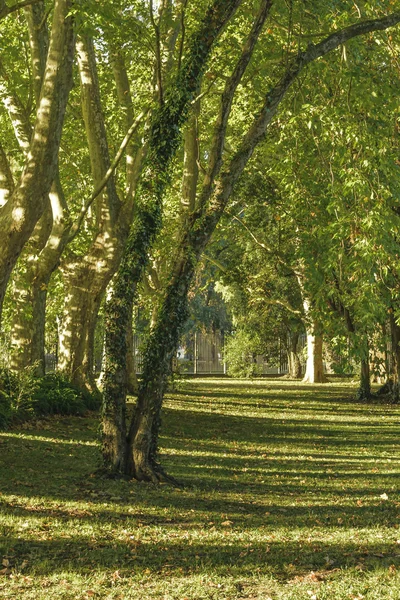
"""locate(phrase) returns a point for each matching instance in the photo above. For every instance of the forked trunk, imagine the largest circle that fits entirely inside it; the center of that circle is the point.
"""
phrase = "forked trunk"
(162, 146)
(143, 434)
(27, 203)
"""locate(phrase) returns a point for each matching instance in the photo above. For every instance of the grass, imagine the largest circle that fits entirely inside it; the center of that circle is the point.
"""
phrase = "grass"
(290, 493)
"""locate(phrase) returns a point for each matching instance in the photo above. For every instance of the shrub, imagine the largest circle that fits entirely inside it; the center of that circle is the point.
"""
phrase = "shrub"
(23, 396)
(240, 350)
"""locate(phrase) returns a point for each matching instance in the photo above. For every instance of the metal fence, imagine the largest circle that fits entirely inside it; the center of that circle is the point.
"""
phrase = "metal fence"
(198, 354)
(203, 354)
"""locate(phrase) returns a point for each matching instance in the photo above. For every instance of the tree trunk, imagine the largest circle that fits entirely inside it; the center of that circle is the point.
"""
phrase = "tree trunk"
(131, 366)
(85, 282)
(364, 391)
(27, 328)
(394, 375)
(162, 345)
(31, 283)
(140, 461)
(314, 366)
(294, 364)
(87, 277)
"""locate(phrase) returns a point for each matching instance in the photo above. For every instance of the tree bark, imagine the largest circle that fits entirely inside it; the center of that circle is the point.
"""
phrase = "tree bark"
(87, 277)
(131, 363)
(42, 253)
(364, 390)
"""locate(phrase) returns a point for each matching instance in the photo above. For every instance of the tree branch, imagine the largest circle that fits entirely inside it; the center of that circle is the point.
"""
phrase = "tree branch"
(156, 27)
(7, 10)
(215, 161)
(257, 131)
(78, 223)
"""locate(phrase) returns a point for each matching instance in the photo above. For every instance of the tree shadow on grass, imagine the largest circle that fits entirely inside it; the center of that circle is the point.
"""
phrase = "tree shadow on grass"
(183, 555)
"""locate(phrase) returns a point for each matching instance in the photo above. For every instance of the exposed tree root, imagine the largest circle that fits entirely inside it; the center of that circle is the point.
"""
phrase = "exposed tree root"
(154, 473)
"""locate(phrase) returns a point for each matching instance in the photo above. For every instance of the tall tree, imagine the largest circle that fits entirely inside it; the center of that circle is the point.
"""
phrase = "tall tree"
(163, 142)
(213, 199)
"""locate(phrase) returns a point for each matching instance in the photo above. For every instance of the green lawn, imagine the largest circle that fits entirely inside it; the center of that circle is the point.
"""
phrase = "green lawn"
(291, 492)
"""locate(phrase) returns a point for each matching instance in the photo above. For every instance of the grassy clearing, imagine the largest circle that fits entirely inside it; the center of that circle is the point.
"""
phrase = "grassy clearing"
(290, 494)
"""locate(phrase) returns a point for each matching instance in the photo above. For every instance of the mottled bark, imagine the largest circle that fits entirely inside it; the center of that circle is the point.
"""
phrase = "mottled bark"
(42, 253)
(28, 295)
(190, 163)
(78, 322)
(86, 277)
(6, 178)
(21, 212)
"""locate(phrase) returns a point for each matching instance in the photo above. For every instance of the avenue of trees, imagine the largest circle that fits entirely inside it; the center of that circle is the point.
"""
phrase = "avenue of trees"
(149, 149)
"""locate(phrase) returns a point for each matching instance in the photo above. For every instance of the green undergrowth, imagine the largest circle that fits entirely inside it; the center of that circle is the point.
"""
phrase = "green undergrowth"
(290, 493)
(24, 397)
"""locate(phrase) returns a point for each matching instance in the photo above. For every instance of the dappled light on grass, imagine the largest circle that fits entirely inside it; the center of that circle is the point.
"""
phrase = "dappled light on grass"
(280, 499)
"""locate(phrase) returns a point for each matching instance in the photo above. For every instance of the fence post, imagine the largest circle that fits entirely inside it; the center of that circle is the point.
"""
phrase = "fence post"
(223, 351)
(195, 354)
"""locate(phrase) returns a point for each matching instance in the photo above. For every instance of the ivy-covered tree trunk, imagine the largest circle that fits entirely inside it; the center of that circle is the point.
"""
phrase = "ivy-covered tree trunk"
(164, 140)
(131, 363)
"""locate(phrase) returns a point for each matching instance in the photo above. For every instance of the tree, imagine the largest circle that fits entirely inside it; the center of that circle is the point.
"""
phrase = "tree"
(162, 146)
(212, 201)
(26, 200)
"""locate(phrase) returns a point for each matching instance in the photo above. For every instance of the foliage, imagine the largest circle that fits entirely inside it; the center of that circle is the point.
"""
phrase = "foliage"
(241, 348)
(24, 396)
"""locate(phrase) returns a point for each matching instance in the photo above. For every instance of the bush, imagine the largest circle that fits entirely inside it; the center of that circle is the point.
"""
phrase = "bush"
(23, 396)
(240, 350)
